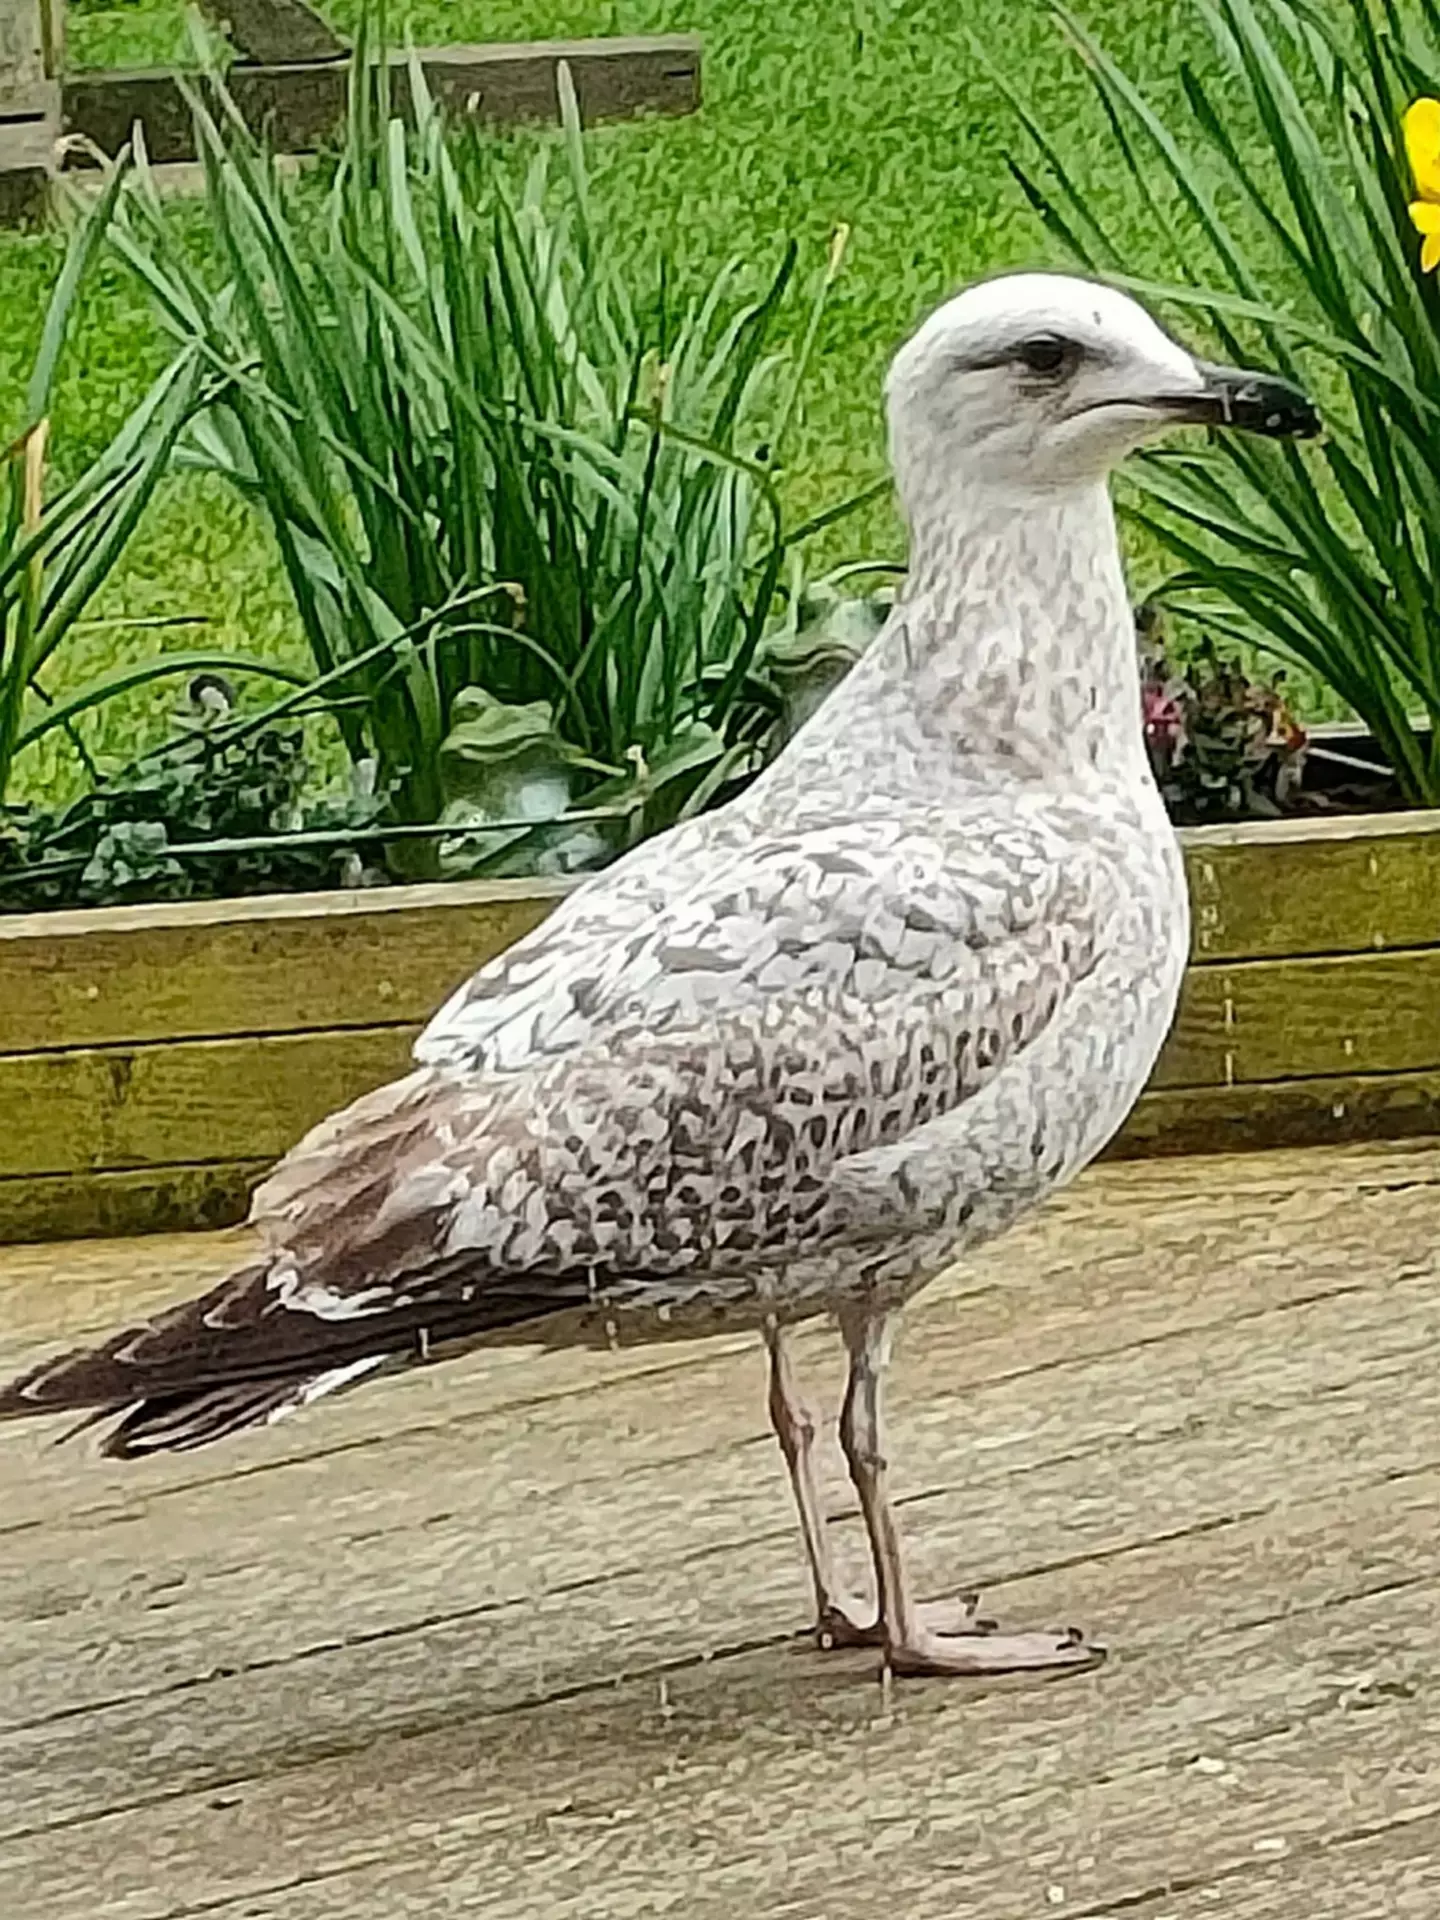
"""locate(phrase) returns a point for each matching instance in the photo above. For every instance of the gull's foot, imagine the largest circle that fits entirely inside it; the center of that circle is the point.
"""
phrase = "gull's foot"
(976, 1652)
(851, 1623)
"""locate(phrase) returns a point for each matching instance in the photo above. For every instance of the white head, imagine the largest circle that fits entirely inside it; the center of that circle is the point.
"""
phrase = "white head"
(1036, 382)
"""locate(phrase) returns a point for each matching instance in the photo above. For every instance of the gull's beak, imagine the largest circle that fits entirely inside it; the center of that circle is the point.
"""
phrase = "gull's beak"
(1255, 402)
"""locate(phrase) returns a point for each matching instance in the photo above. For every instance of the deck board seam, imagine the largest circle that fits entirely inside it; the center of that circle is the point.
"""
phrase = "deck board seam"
(1240, 1744)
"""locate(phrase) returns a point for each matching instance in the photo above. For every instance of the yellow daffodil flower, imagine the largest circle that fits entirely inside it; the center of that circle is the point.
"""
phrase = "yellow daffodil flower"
(1422, 149)
(1426, 215)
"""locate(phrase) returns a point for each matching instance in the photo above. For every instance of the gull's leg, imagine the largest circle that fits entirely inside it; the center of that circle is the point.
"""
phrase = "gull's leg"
(914, 1637)
(840, 1620)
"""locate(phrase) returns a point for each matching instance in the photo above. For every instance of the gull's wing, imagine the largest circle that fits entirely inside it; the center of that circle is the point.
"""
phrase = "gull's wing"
(677, 1118)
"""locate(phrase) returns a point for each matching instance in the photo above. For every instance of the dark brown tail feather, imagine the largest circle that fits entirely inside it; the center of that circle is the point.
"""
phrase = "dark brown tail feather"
(213, 1365)
(180, 1422)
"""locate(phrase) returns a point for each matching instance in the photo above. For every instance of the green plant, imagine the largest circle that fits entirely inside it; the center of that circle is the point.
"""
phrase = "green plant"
(57, 554)
(220, 809)
(451, 408)
(1283, 205)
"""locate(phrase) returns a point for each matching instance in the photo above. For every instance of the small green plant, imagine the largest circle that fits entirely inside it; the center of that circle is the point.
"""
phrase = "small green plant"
(1282, 203)
(453, 409)
(57, 553)
(226, 806)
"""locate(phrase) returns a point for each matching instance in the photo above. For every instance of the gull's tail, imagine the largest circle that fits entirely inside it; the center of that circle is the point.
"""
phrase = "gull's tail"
(166, 1381)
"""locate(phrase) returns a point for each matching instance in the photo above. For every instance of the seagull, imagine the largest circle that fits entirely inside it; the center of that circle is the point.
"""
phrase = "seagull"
(795, 1057)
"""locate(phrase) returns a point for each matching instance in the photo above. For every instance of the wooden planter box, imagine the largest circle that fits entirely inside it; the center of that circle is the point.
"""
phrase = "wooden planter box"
(154, 1060)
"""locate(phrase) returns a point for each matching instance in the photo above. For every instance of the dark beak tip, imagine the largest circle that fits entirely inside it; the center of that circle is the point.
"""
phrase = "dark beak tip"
(1262, 403)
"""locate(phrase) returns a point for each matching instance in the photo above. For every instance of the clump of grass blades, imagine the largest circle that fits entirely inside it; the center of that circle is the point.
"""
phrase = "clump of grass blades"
(1292, 238)
(456, 416)
(57, 554)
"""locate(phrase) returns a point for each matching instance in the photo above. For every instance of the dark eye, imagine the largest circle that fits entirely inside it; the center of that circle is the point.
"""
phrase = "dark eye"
(1044, 353)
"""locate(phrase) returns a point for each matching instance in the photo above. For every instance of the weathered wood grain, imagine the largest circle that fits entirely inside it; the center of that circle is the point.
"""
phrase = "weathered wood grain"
(1331, 1111)
(1066, 1287)
(1266, 1020)
(183, 1105)
(1352, 884)
(301, 107)
(162, 1602)
(31, 44)
(618, 1779)
(569, 1686)
(283, 964)
(149, 1200)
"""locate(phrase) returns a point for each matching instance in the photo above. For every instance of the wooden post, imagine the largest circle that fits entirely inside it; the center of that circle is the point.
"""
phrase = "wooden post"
(28, 60)
(32, 34)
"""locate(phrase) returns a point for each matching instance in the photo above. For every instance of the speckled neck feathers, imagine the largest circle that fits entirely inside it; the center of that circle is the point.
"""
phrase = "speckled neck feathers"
(1011, 655)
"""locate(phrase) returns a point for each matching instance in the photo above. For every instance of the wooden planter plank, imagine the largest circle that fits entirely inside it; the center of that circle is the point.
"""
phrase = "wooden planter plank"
(1285, 1113)
(291, 963)
(1266, 1020)
(301, 107)
(171, 1199)
(1347, 885)
(205, 969)
(183, 1101)
(111, 1108)
(160, 1057)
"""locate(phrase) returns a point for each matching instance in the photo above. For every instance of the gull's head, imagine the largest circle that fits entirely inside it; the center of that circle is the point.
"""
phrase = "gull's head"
(1037, 382)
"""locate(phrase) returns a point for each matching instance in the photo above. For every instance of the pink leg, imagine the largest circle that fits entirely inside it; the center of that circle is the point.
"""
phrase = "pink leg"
(914, 1640)
(840, 1619)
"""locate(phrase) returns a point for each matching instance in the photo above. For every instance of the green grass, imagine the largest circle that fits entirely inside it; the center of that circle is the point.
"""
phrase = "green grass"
(816, 112)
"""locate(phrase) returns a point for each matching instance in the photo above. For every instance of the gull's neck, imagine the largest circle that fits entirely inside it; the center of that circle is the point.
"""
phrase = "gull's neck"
(1011, 656)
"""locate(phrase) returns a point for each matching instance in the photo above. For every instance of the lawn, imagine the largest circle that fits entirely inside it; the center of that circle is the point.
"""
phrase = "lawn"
(815, 113)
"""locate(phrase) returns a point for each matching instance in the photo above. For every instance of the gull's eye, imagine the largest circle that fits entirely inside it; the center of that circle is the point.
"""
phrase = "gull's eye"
(1044, 353)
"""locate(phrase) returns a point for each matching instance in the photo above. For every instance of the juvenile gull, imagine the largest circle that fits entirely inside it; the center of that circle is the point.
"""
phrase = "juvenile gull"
(795, 1056)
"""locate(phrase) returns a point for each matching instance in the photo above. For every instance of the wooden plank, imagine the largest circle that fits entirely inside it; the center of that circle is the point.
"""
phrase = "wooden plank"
(339, 1526)
(87, 1206)
(303, 106)
(26, 170)
(1066, 1288)
(167, 1196)
(1271, 1020)
(112, 1106)
(282, 964)
(25, 58)
(310, 1710)
(156, 1137)
(1347, 885)
(212, 968)
(97, 1109)
(1246, 1606)
(276, 33)
(1288, 1113)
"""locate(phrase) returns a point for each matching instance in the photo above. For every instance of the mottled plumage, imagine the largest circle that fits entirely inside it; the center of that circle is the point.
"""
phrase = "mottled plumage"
(797, 1055)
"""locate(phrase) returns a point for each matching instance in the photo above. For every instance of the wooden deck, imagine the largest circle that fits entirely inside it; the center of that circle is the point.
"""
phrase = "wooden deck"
(518, 1637)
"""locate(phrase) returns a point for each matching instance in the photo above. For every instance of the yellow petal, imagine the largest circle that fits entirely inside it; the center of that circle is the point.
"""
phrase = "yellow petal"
(1422, 146)
(1430, 253)
(1426, 216)
(1422, 129)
